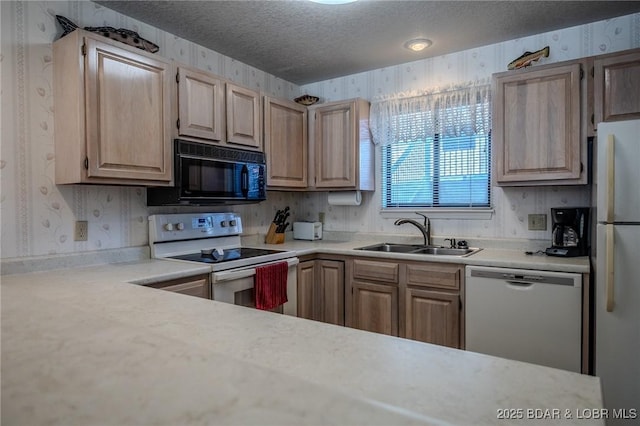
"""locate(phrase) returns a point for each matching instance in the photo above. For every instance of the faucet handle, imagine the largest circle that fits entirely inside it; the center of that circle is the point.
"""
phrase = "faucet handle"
(426, 219)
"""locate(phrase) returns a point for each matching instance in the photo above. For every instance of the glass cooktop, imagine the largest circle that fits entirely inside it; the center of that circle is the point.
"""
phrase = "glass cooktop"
(227, 255)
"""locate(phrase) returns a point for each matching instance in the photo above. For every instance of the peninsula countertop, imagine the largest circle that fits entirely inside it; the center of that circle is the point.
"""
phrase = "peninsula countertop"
(85, 346)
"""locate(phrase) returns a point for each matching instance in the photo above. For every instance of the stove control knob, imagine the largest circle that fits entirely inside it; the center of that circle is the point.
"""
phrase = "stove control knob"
(223, 224)
(232, 223)
(180, 226)
(168, 227)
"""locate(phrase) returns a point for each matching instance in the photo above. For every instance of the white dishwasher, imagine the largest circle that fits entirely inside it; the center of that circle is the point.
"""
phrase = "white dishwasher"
(525, 315)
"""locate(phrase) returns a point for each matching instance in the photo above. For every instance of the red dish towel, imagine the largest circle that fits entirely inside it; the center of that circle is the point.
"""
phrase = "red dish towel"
(270, 285)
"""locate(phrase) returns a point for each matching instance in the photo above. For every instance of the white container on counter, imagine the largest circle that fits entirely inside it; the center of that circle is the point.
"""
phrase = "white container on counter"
(307, 231)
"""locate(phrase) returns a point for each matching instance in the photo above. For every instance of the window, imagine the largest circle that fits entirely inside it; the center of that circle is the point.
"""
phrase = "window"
(437, 172)
(436, 153)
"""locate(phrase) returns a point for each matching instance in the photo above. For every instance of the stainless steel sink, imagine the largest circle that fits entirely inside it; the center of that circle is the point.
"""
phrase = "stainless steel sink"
(420, 249)
(392, 248)
(445, 251)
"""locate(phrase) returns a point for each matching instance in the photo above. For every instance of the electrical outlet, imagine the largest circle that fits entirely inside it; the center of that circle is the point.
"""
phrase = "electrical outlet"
(82, 231)
(321, 217)
(537, 222)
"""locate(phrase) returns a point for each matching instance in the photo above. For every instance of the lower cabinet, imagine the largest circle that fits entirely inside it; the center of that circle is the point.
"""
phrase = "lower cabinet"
(432, 317)
(415, 300)
(198, 285)
(321, 290)
(375, 307)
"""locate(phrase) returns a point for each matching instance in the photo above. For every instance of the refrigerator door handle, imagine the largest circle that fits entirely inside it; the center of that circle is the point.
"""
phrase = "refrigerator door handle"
(611, 164)
(609, 270)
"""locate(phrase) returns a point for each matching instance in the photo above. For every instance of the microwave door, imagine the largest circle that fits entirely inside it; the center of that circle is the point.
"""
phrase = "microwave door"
(211, 179)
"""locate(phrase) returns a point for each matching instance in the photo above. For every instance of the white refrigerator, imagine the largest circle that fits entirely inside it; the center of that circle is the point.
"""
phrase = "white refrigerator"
(617, 267)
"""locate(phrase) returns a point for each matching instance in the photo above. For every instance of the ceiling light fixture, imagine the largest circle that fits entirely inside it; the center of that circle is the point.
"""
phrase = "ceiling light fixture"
(418, 44)
(333, 1)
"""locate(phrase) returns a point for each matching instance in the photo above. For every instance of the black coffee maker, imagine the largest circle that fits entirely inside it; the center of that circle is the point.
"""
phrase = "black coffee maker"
(570, 232)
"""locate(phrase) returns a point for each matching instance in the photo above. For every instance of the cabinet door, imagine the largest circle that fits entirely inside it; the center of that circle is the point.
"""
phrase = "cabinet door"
(192, 286)
(617, 87)
(127, 114)
(321, 291)
(536, 129)
(200, 105)
(306, 283)
(285, 143)
(330, 286)
(432, 317)
(335, 146)
(243, 117)
(375, 307)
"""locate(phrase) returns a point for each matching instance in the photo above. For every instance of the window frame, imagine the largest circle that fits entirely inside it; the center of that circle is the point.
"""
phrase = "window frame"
(444, 212)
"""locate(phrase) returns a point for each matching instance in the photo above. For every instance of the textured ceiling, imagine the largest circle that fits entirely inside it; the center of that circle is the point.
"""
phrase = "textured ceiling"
(303, 42)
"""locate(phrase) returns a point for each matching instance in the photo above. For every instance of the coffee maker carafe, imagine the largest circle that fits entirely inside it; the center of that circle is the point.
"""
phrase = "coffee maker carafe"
(570, 232)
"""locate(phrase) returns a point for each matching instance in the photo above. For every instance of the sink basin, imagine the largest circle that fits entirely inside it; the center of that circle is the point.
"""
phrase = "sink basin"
(392, 248)
(445, 251)
(419, 249)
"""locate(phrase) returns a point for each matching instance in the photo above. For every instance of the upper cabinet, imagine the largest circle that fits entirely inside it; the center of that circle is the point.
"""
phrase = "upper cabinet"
(214, 110)
(243, 117)
(200, 105)
(285, 143)
(617, 86)
(112, 112)
(342, 155)
(539, 125)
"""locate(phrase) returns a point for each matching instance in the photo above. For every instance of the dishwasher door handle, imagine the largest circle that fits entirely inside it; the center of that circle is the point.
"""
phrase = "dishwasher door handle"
(520, 285)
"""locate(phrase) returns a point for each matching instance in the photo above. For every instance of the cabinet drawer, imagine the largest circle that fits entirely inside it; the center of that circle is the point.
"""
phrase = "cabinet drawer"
(432, 275)
(197, 285)
(375, 271)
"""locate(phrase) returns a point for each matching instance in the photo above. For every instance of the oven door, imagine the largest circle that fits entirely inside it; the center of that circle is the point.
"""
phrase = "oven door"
(235, 286)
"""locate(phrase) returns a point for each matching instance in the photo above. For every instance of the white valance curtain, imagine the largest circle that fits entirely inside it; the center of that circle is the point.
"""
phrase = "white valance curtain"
(456, 111)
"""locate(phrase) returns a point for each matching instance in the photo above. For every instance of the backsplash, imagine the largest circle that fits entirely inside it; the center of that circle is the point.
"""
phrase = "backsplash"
(37, 217)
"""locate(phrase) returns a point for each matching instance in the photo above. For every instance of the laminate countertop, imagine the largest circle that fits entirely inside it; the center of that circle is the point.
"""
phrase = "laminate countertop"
(84, 346)
(490, 256)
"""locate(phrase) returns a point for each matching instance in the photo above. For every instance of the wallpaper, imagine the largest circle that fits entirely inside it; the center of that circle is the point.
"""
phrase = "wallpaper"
(37, 217)
(512, 205)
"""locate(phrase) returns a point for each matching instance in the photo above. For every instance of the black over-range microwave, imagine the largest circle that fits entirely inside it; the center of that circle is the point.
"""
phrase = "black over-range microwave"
(209, 174)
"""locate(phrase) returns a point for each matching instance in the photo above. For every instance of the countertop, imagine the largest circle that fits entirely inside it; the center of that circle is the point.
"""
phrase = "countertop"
(84, 346)
(507, 258)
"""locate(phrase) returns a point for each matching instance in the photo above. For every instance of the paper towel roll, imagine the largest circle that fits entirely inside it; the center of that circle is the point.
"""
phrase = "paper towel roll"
(346, 198)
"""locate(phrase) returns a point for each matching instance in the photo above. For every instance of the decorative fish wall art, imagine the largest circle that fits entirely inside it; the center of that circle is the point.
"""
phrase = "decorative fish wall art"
(527, 58)
(129, 37)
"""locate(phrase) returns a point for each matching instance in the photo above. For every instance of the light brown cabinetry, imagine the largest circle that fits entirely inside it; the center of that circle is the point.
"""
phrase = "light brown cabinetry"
(617, 86)
(321, 290)
(342, 149)
(285, 143)
(375, 307)
(200, 105)
(416, 300)
(432, 303)
(539, 125)
(198, 286)
(113, 112)
(373, 296)
(243, 117)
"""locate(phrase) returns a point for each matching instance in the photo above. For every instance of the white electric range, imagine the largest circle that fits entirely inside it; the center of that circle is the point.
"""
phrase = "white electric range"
(214, 239)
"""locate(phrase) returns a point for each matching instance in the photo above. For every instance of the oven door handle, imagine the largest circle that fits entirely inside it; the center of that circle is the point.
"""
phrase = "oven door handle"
(236, 274)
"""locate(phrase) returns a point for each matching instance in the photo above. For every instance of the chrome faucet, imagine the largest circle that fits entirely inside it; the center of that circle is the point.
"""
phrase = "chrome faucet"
(425, 229)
